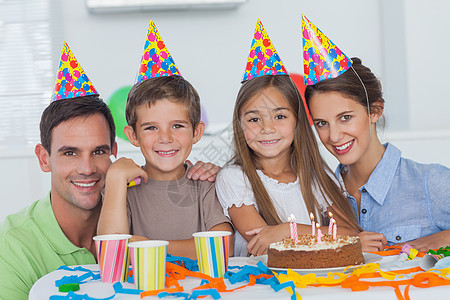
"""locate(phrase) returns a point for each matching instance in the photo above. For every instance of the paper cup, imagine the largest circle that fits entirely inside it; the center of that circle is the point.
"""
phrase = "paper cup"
(112, 255)
(212, 252)
(148, 259)
(428, 261)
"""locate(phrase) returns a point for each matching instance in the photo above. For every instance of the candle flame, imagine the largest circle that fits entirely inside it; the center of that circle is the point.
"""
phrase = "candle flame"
(333, 221)
(311, 216)
(330, 214)
(317, 225)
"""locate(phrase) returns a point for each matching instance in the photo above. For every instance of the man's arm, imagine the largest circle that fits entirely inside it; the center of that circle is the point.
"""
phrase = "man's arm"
(13, 284)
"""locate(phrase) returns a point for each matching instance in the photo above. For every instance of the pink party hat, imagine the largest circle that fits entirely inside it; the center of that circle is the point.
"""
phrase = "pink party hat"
(156, 59)
(263, 58)
(71, 81)
(322, 59)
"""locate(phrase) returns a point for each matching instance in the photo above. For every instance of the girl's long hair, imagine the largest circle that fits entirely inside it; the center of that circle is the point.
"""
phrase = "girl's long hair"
(306, 160)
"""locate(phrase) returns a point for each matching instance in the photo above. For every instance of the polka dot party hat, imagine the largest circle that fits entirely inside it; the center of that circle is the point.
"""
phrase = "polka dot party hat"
(263, 58)
(156, 60)
(71, 81)
(322, 59)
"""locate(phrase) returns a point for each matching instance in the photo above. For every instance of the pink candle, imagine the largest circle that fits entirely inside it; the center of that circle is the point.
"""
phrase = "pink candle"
(319, 234)
(330, 226)
(293, 227)
(334, 229)
(313, 224)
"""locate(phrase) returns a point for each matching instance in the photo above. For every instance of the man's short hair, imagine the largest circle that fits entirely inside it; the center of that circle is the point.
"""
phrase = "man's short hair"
(172, 88)
(62, 110)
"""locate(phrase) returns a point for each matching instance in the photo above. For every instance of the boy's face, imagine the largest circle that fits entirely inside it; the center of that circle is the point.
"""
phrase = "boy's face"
(165, 135)
(79, 159)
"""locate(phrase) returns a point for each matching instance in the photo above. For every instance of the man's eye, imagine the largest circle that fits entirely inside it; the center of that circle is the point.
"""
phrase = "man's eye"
(69, 153)
(99, 152)
(178, 126)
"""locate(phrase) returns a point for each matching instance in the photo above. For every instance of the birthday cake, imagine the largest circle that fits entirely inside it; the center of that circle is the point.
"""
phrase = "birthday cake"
(308, 254)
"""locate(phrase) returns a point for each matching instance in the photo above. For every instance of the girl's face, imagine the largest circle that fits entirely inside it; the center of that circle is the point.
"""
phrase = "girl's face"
(268, 124)
(343, 126)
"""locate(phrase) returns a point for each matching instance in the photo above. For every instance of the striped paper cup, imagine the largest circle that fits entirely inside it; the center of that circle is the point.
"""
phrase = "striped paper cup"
(212, 252)
(148, 259)
(112, 255)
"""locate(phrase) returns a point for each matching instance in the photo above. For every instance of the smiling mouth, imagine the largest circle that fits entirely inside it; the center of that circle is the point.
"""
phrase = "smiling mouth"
(84, 185)
(166, 152)
(269, 142)
(344, 148)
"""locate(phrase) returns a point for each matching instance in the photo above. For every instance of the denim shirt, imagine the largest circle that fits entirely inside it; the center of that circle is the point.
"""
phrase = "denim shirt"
(403, 199)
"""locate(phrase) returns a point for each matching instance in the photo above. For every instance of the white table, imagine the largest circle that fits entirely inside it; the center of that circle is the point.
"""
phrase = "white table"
(45, 287)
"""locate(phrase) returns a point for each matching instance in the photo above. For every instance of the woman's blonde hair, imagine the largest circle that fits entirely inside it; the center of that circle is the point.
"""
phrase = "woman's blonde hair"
(306, 160)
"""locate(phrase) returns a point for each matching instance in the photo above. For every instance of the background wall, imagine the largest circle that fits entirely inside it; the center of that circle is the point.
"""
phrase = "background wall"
(404, 43)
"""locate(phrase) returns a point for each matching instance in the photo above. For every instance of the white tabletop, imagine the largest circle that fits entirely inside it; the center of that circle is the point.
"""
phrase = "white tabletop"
(45, 287)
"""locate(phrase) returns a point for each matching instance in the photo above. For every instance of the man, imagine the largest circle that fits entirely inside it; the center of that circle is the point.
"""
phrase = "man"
(77, 136)
(77, 139)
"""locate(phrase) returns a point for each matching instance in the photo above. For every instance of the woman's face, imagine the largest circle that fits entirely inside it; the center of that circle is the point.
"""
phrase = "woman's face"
(343, 126)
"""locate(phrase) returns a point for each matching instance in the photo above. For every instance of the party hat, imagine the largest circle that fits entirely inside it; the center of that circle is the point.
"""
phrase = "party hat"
(322, 59)
(156, 59)
(71, 81)
(263, 58)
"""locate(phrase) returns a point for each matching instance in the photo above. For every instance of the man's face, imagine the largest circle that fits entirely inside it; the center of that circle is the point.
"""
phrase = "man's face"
(79, 159)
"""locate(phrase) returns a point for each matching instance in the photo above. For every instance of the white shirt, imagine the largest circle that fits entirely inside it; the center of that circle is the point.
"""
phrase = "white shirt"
(234, 188)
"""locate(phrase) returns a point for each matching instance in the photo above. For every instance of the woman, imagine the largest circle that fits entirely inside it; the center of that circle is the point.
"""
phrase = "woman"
(404, 200)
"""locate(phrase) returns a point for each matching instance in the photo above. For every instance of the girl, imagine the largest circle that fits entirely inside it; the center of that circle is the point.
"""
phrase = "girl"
(276, 169)
(404, 200)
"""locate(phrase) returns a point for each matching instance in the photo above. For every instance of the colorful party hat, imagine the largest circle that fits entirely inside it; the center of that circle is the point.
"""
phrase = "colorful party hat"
(156, 59)
(322, 59)
(71, 81)
(263, 58)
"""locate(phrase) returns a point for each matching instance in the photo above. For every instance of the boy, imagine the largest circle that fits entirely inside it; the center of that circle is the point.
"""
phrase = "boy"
(163, 116)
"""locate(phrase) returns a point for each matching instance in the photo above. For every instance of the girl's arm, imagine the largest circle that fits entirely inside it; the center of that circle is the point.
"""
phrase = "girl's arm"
(203, 171)
(255, 230)
(113, 216)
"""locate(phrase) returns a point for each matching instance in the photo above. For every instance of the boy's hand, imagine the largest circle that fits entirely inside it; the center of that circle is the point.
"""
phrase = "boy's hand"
(203, 171)
(124, 170)
(372, 241)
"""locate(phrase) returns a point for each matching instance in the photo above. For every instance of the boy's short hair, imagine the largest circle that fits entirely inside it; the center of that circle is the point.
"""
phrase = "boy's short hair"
(172, 88)
(62, 110)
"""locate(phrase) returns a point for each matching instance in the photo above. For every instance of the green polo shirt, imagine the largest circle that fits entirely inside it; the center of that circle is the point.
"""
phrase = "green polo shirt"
(31, 245)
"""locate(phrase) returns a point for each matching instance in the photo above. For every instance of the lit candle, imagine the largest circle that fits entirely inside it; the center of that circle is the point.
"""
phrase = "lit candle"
(313, 224)
(319, 234)
(293, 227)
(330, 227)
(334, 229)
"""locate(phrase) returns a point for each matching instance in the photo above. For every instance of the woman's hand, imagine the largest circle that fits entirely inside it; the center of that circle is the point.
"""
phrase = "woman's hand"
(434, 241)
(372, 241)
